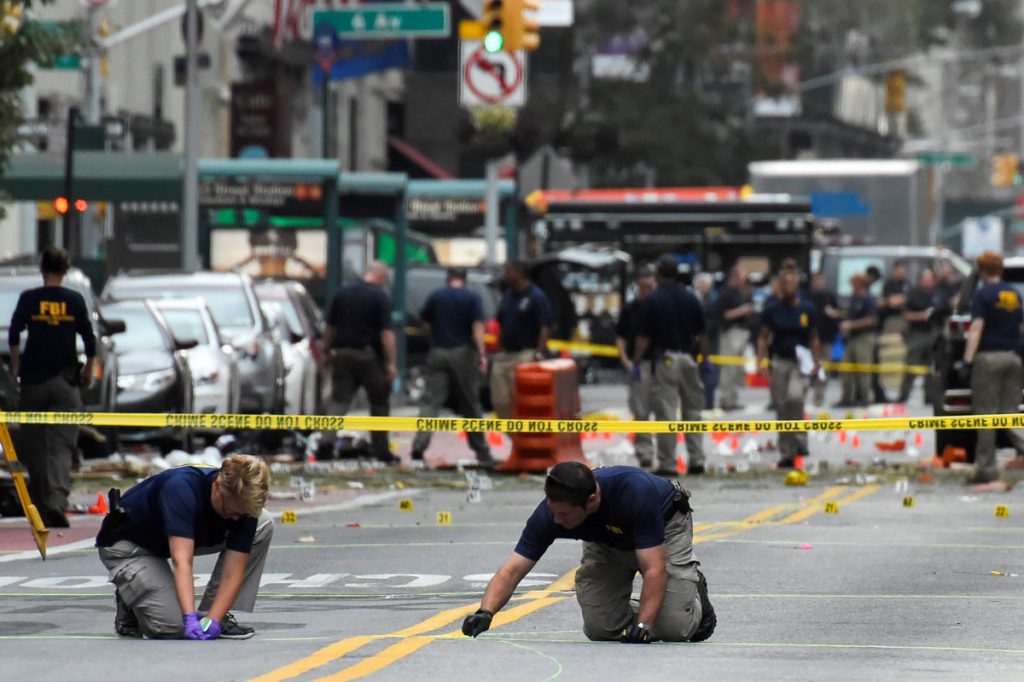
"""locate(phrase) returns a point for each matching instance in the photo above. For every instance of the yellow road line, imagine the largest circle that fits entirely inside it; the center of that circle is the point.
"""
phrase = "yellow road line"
(416, 637)
(810, 511)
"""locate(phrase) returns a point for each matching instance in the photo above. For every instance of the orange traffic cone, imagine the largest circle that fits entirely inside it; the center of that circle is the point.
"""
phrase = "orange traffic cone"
(798, 462)
(855, 441)
(101, 505)
(495, 439)
(842, 437)
(680, 465)
(918, 439)
(734, 443)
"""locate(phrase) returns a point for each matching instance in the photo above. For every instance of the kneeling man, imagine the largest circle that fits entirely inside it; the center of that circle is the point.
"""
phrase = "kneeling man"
(177, 515)
(629, 520)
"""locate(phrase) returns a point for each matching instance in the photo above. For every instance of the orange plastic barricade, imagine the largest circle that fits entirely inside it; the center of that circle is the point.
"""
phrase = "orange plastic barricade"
(545, 390)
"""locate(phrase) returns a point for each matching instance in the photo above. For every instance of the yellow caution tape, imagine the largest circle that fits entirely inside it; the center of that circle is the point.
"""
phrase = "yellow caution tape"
(272, 422)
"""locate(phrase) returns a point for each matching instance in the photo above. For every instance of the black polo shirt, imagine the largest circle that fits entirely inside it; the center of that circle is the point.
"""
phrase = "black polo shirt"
(671, 320)
(626, 327)
(920, 299)
(730, 299)
(999, 306)
(522, 315)
(358, 314)
(451, 313)
(828, 328)
(790, 324)
(52, 315)
(635, 505)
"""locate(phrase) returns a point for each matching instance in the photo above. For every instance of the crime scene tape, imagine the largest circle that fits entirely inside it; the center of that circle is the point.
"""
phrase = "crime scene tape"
(278, 422)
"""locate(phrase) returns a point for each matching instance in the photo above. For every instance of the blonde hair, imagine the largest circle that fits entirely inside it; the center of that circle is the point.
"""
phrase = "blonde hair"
(246, 479)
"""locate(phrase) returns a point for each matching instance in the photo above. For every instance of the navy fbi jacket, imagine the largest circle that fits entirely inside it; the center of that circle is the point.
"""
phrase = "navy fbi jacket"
(634, 507)
(52, 315)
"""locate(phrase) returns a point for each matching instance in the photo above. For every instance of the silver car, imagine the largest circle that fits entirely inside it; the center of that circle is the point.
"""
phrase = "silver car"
(300, 382)
(215, 381)
(233, 305)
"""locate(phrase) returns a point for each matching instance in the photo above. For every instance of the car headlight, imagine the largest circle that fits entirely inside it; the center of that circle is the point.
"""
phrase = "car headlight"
(147, 381)
(206, 376)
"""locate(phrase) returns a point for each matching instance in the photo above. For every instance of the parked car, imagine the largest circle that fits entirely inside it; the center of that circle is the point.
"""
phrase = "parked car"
(956, 394)
(840, 263)
(420, 283)
(14, 280)
(306, 328)
(215, 380)
(299, 366)
(235, 309)
(153, 373)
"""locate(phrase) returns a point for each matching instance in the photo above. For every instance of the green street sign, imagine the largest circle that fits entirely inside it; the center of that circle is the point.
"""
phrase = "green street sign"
(63, 31)
(957, 159)
(66, 61)
(381, 21)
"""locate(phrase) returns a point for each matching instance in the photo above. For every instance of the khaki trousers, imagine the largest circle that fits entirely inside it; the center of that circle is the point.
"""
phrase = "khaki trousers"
(453, 372)
(788, 390)
(996, 381)
(732, 378)
(503, 381)
(860, 348)
(676, 377)
(640, 406)
(604, 585)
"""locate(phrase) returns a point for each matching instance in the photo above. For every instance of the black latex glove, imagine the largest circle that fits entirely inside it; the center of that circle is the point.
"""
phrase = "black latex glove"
(477, 623)
(638, 633)
(963, 371)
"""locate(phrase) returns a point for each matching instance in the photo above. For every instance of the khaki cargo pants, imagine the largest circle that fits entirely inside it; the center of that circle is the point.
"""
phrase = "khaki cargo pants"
(640, 406)
(604, 585)
(788, 390)
(146, 581)
(503, 381)
(733, 343)
(676, 377)
(996, 382)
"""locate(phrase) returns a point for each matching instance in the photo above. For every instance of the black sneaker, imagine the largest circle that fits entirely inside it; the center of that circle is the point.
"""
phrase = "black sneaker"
(696, 470)
(417, 456)
(53, 518)
(126, 624)
(232, 629)
(486, 462)
(708, 619)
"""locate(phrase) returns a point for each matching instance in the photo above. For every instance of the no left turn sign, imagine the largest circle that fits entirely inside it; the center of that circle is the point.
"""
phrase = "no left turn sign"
(491, 78)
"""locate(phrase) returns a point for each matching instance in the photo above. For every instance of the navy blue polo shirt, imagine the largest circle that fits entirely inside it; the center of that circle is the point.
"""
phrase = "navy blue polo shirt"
(632, 514)
(177, 503)
(629, 321)
(451, 312)
(791, 325)
(522, 315)
(358, 314)
(671, 319)
(52, 315)
(1000, 307)
(861, 307)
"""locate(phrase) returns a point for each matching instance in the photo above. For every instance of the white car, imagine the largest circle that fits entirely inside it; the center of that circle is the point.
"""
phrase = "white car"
(215, 377)
(300, 367)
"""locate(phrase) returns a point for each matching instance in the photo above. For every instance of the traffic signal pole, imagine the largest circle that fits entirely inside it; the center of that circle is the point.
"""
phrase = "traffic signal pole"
(68, 236)
(190, 191)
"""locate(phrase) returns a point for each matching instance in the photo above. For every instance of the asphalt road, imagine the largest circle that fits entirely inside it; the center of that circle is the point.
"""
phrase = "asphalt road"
(358, 587)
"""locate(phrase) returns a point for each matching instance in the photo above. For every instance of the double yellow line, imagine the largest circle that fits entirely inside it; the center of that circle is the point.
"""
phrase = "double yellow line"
(414, 638)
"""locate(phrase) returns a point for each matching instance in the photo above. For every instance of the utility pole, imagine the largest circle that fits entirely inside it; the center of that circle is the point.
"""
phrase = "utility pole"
(491, 200)
(190, 192)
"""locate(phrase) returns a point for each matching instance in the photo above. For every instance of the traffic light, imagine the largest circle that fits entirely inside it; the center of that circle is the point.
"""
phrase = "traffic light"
(62, 205)
(896, 92)
(493, 21)
(1005, 169)
(522, 29)
(81, 205)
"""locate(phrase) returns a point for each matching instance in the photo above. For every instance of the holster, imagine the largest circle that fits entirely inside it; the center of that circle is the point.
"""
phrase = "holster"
(681, 499)
(116, 523)
(73, 374)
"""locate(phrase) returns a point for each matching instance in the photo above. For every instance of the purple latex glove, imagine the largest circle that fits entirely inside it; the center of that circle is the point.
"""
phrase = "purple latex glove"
(211, 628)
(635, 372)
(193, 630)
(705, 366)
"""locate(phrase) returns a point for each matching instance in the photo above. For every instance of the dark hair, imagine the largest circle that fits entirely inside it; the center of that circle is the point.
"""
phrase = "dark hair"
(456, 273)
(570, 482)
(55, 261)
(643, 273)
(517, 265)
(873, 272)
(668, 268)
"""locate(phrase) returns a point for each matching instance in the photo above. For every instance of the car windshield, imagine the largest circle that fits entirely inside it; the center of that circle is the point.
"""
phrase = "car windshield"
(284, 302)
(228, 305)
(141, 331)
(858, 265)
(186, 324)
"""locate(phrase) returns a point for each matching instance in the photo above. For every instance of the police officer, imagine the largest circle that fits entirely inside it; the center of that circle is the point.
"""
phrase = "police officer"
(640, 389)
(50, 377)
(630, 521)
(992, 360)
(524, 315)
(179, 514)
(671, 328)
(859, 333)
(362, 349)
(827, 306)
(924, 310)
(704, 287)
(457, 359)
(790, 325)
(735, 305)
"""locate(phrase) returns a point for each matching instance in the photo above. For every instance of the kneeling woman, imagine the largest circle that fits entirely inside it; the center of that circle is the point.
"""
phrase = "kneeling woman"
(177, 515)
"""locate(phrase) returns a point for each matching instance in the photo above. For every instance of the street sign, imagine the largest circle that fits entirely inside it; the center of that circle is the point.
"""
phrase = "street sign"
(957, 159)
(491, 78)
(381, 21)
(67, 62)
(325, 46)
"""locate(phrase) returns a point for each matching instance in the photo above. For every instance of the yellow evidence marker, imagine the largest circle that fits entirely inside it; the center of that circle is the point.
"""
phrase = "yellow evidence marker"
(909, 502)
(289, 517)
(444, 518)
(831, 507)
(405, 505)
(1002, 512)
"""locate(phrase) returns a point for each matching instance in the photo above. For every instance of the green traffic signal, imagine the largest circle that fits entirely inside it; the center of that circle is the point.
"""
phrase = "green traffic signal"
(493, 41)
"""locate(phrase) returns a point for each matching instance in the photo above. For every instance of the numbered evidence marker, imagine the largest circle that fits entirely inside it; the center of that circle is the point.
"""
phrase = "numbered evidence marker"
(444, 518)
(831, 507)
(474, 496)
(405, 505)
(1002, 512)
(289, 517)
(908, 501)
